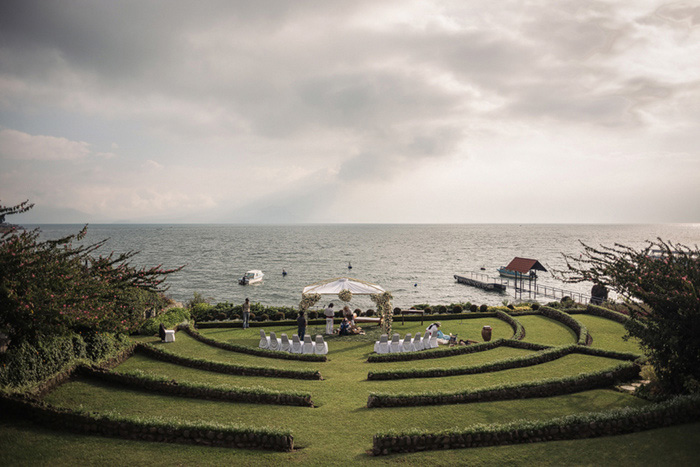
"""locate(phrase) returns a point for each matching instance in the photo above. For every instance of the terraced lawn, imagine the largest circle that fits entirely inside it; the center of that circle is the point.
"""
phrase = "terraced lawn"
(339, 430)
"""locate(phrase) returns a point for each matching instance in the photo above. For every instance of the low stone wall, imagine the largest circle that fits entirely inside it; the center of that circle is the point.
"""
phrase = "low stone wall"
(159, 431)
(226, 368)
(196, 391)
(546, 388)
(677, 411)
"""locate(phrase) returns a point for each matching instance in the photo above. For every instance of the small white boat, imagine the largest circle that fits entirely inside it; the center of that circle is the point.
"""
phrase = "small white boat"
(251, 277)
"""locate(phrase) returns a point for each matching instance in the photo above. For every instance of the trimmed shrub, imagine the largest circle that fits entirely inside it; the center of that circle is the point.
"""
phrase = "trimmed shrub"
(518, 329)
(279, 316)
(543, 388)
(535, 306)
(147, 429)
(442, 309)
(606, 313)
(457, 309)
(147, 382)
(226, 368)
(584, 338)
(428, 310)
(473, 308)
(253, 350)
(679, 410)
(369, 312)
(262, 317)
(484, 308)
(312, 314)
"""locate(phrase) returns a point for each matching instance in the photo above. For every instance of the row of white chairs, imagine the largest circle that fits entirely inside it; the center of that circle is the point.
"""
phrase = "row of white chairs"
(283, 344)
(396, 344)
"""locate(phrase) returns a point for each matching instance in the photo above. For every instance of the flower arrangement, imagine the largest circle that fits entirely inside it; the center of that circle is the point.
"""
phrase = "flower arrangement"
(308, 300)
(384, 310)
(345, 295)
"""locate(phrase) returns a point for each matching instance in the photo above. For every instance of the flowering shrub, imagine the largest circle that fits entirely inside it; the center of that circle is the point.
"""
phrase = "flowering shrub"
(53, 287)
(661, 294)
(345, 295)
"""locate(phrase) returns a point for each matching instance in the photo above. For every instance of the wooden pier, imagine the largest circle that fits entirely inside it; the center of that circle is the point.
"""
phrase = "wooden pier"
(486, 285)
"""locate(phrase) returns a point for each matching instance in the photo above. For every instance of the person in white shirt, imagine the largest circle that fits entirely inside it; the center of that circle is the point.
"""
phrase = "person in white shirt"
(329, 313)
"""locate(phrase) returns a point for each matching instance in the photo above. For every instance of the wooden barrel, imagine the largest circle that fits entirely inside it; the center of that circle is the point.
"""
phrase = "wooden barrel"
(486, 333)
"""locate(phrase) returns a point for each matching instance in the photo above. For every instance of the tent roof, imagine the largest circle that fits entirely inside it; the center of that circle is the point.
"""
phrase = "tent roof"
(334, 286)
(523, 265)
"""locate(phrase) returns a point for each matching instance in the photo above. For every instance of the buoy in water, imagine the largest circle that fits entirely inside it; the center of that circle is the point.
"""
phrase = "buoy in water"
(349, 265)
(415, 285)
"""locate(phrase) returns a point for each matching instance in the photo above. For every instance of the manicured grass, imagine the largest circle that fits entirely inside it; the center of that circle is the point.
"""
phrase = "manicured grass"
(607, 334)
(543, 330)
(340, 430)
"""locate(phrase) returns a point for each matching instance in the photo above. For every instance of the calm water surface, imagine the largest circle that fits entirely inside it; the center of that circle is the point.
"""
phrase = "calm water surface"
(415, 262)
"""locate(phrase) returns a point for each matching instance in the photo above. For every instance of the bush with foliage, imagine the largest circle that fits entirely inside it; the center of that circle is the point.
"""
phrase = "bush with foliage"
(169, 319)
(484, 308)
(52, 287)
(662, 295)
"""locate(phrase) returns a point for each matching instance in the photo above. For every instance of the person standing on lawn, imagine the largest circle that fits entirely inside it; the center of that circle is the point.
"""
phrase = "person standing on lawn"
(301, 324)
(246, 313)
(329, 313)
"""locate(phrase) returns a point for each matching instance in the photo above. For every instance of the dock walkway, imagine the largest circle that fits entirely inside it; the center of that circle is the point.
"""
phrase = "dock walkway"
(487, 284)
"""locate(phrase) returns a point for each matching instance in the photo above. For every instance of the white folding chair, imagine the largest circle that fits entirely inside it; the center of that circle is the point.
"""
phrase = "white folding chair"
(426, 340)
(321, 345)
(432, 342)
(382, 345)
(417, 342)
(296, 345)
(408, 344)
(308, 346)
(275, 342)
(285, 346)
(264, 340)
(395, 345)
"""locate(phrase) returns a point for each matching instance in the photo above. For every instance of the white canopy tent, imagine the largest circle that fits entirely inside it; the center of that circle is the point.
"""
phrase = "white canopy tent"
(334, 286)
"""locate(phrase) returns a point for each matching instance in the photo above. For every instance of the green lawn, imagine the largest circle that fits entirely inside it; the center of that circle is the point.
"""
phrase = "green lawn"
(339, 431)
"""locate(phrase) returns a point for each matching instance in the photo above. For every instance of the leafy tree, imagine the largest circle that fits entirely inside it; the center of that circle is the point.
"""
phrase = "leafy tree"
(660, 285)
(52, 287)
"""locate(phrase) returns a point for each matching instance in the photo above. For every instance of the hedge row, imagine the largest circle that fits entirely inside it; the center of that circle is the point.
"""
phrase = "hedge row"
(682, 409)
(631, 357)
(252, 350)
(605, 313)
(227, 368)
(505, 364)
(436, 353)
(133, 428)
(584, 338)
(543, 388)
(143, 381)
(27, 364)
(518, 329)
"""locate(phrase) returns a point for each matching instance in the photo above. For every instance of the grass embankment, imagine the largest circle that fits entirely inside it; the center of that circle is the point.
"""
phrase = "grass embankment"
(340, 430)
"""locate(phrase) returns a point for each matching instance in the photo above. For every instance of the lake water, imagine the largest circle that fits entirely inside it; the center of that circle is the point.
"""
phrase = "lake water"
(415, 262)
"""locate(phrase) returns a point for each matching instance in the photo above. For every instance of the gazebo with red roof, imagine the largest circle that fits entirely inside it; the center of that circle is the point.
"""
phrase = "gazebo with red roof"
(525, 268)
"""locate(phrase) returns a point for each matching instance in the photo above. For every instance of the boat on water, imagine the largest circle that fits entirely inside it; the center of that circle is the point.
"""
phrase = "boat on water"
(504, 272)
(251, 277)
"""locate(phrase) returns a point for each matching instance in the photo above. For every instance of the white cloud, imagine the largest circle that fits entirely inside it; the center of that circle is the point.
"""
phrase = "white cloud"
(22, 146)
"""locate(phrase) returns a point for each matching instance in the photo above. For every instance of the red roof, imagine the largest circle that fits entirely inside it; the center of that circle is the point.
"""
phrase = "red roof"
(523, 265)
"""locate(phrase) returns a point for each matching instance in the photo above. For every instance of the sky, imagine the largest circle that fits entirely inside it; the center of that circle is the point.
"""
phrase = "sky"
(350, 112)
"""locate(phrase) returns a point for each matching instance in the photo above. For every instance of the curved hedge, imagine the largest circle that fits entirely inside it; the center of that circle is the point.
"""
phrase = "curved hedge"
(505, 364)
(436, 353)
(542, 388)
(605, 313)
(143, 381)
(682, 409)
(518, 329)
(252, 350)
(147, 429)
(226, 368)
(584, 338)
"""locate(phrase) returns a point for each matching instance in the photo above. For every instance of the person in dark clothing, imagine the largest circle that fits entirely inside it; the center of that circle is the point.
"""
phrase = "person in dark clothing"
(161, 332)
(301, 323)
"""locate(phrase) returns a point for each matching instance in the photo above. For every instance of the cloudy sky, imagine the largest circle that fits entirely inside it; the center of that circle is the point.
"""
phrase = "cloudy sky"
(375, 111)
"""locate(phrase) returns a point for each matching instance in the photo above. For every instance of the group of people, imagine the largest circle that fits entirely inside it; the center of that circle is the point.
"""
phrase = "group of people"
(347, 326)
